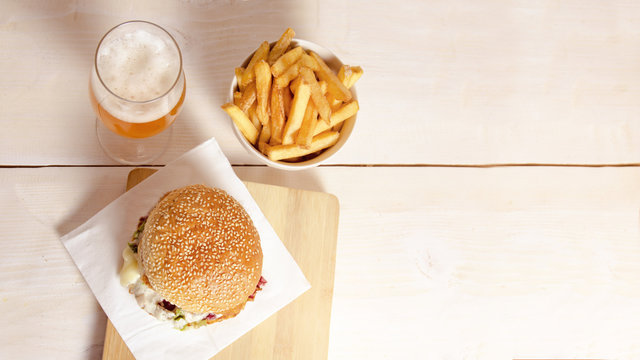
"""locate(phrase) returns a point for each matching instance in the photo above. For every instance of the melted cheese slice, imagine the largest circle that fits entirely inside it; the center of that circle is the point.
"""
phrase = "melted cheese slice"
(129, 273)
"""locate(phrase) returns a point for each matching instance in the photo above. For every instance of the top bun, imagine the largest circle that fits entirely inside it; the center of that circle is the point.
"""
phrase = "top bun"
(200, 251)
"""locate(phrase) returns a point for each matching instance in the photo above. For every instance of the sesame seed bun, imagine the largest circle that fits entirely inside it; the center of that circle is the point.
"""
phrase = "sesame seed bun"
(200, 251)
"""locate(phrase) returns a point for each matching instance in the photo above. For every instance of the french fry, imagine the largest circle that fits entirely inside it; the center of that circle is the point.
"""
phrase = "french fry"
(333, 102)
(285, 78)
(260, 54)
(319, 142)
(296, 114)
(285, 61)
(334, 85)
(248, 97)
(286, 96)
(305, 134)
(277, 114)
(308, 61)
(345, 112)
(263, 88)
(338, 105)
(281, 46)
(348, 75)
(251, 113)
(237, 95)
(339, 116)
(242, 122)
(293, 72)
(294, 84)
(294, 159)
(323, 86)
(263, 139)
(320, 102)
(239, 71)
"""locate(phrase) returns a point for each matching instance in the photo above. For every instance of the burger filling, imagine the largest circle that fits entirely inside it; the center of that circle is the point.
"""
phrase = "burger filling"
(151, 301)
(163, 310)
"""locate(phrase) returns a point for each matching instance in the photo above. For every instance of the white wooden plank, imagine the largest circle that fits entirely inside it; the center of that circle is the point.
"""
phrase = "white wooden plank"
(537, 262)
(50, 311)
(445, 82)
(484, 263)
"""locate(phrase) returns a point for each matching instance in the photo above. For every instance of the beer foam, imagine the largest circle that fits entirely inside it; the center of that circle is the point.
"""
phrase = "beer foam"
(139, 65)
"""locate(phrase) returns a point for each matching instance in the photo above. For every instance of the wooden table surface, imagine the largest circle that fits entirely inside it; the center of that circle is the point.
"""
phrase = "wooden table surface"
(489, 194)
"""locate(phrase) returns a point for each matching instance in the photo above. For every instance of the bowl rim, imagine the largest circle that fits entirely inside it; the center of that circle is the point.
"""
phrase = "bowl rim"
(334, 63)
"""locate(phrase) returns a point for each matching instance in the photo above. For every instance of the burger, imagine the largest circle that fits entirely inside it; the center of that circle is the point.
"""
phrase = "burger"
(195, 259)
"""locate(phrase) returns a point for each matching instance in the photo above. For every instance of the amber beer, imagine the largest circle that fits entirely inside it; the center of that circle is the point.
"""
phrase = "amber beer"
(137, 85)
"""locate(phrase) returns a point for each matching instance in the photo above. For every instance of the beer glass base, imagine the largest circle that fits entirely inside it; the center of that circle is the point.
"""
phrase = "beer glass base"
(130, 151)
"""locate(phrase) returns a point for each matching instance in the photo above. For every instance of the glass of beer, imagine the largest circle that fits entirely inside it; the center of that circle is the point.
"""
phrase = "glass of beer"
(137, 88)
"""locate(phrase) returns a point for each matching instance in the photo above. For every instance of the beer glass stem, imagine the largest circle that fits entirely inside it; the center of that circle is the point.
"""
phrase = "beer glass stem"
(130, 151)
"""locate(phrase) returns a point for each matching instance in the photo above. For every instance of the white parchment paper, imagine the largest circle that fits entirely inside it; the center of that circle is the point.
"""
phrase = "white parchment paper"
(96, 247)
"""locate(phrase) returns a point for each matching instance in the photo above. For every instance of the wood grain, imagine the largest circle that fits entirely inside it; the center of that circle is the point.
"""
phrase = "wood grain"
(307, 223)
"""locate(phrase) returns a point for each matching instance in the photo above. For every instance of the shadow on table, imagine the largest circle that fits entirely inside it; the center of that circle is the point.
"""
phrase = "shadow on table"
(89, 206)
(95, 201)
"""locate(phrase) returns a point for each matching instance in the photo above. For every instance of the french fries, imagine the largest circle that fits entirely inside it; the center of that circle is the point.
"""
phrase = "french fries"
(281, 46)
(339, 116)
(348, 75)
(248, 97)
(289, 103)
(294, 84)
(319, 142)
(248, 75)
(298, 107)
(305, 134)
(242, 122)
(263, 87)
(285, 78)
(318, 98)
(264, 137)
(286, 96)
(276, 122)
(239, 73)
(334, 86)
(285, 61)
(253, 116)
(236, 97)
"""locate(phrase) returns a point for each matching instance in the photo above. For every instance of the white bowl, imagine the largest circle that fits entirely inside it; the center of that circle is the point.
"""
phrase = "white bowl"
(334, 63)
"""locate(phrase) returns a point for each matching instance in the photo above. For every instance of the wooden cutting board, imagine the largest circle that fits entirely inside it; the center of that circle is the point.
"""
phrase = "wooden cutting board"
(307, 223)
